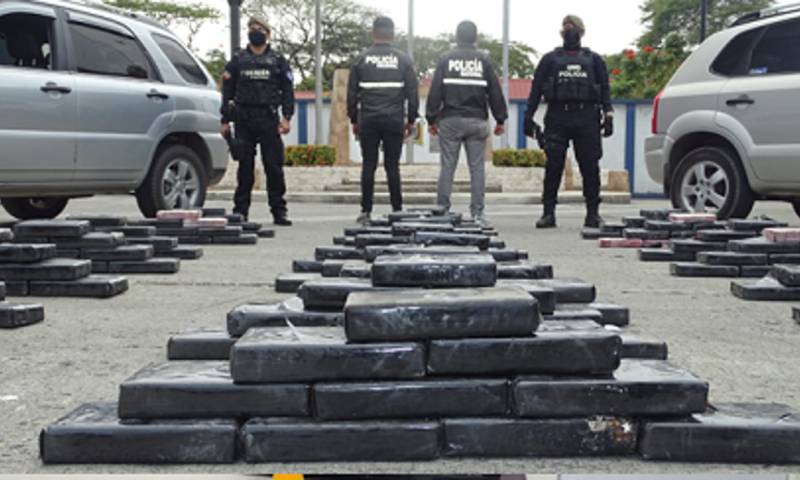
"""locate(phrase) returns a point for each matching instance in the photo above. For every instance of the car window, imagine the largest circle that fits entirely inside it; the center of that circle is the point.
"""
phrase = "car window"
(103, 52)
(25, 41)
(181, 60)
(778, 51)
(734, 59)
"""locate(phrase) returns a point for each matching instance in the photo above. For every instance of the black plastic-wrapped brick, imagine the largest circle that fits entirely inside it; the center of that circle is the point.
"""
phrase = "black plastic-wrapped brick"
(762, 245)
(297, 440)
(356, 269)
(92, 240)
(159, 243)
(694, 269)
(2, 291)
(755, 225)
(200, 344)
(545, 296)
(524, 270)
(411, 399)
(575, 314)
(15, 316)
(732, 258)
(754, 271)
(371, 253)
(645, 234)
(214, 212)
(506, 255)
(724, 235)
(665, 255)
(338, 253)
(153, 265)
(306, 266)
(126, 253)
(636, 388)
(784, 258)
(21, 253)
(94, 434)
(695, 246)
(634, 221)
(291, 282)
(6, 235)
(451, 313)
(333, 268)
(666, 225)
(452, 239)
(92, 286)
(568, 437)
(657, 214)
(52, 228)
(726, 433)
(368, 240)
(634, 346)
(612, 227)
(432, 271)
(569, 290)
(183, 252)
(765, 289)
(596, 233)
(547, 352)
(788, 275)
(245, 317)
(353, 231)
(54, 269)
(302, 355)
(331, 293)
(205, 389)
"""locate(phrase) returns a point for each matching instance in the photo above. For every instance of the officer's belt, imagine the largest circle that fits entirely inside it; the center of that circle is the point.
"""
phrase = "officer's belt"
(573, 106)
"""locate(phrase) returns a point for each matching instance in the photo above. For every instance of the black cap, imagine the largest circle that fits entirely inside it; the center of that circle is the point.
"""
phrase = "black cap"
(383, 26)
(467, 33)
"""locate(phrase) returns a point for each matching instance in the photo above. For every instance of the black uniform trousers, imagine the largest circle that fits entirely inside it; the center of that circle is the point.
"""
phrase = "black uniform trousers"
(581, 126)
(374, 134)
(263, 132)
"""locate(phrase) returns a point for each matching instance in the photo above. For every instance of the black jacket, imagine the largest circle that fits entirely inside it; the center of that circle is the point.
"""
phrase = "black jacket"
(545, 72)
(257, 85)
(382, 80)
(465, 85)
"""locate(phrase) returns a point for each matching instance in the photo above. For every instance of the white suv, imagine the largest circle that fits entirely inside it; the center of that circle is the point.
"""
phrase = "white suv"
(97, 101)
(726, 129)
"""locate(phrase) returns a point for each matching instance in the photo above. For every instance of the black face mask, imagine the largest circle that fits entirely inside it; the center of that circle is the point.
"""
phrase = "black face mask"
(572, 39)
(257, 38)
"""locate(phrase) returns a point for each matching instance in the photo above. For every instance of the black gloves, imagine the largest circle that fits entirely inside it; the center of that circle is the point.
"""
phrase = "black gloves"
(608, 126)
(533, 130)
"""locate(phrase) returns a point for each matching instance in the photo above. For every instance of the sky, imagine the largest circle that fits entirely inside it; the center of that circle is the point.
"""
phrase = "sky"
(611, 25)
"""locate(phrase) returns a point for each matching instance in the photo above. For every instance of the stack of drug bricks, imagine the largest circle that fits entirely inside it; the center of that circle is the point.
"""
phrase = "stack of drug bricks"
(31, 266)
(782, 280)
(12, 315)
(432, 357)
(697, 245)
(211, 226)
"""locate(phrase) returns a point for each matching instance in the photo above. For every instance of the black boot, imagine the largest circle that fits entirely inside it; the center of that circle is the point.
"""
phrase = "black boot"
(548, 220)
(593, 218)
(282, 221)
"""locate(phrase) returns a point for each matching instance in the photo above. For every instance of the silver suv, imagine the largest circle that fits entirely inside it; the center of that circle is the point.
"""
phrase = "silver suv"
(98, 101)
(726, 129)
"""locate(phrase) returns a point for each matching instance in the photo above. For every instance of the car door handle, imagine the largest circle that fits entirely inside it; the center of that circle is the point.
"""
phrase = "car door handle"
(743, 100)
(51, 87)
(157, 94)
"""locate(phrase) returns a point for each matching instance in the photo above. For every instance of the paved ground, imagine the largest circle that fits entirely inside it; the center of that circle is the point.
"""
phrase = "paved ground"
(85, 348)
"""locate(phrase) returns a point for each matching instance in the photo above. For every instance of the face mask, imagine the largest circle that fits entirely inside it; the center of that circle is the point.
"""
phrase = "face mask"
(257, 38)
(572, 39)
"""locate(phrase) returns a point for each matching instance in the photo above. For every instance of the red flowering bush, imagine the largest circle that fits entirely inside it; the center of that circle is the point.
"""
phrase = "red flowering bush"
(641, 75)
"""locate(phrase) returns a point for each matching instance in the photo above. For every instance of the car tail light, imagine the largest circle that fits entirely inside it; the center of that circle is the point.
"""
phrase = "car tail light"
(654, 120)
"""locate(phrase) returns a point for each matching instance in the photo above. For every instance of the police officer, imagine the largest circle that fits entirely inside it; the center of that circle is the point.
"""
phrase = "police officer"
(464, 88)
(256, 83)
(574, 82)
(383, 104)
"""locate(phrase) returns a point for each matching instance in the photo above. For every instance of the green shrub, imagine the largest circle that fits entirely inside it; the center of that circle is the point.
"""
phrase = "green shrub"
(519, 158)
(310, 156)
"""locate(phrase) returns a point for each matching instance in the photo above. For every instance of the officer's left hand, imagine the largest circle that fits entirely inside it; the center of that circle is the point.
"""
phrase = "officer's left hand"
(433, 129)
(409, 130)
(499, 129)
(608, 125)
(284, 127)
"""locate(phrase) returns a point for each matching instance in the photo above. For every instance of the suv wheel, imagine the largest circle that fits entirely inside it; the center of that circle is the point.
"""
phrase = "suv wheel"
(35, 208)
(177, 179)
(709, 179)
(796, 206)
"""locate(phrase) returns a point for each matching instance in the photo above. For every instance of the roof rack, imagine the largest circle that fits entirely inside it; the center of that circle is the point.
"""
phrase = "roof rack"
(767, 13)
(118, 11)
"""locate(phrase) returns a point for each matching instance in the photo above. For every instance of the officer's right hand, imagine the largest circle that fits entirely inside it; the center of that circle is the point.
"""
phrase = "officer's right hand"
(356, 130)
(225, 130)
(433, 130)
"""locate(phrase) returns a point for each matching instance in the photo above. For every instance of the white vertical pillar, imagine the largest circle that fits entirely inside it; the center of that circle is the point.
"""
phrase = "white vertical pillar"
(506, 76)
(319, 105)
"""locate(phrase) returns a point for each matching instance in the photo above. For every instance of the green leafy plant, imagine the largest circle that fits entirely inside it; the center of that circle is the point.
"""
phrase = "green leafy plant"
(642, 74)
(310, 156)
(519, 158)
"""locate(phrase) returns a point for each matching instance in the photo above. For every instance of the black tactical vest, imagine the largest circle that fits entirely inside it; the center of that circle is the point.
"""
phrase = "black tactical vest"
(573, 78)
(259, 80)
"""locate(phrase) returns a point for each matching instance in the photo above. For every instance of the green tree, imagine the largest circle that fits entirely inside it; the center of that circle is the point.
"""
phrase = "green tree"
(663, 17)
(345, 32)
(172, 14)
(642, 74)
(215, 62)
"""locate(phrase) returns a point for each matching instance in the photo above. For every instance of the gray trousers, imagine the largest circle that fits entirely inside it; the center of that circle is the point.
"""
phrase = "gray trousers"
(472, 133)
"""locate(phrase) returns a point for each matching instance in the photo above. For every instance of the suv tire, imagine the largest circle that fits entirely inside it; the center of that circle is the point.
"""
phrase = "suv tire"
(708, 179)
(177, 179)
(35, 208)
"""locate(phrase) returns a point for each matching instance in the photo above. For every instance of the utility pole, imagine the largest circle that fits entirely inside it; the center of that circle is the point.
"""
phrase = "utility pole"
(318, 104)
(410, 143)
(703, 19)
(236, 25)
(506, 41)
